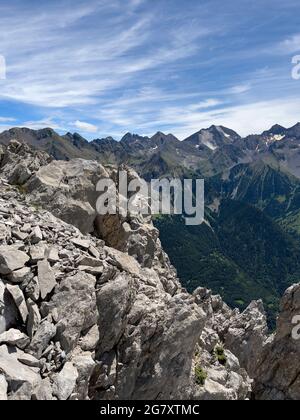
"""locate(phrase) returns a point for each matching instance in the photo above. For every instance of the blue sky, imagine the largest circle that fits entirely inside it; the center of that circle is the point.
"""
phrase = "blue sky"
(105, 67)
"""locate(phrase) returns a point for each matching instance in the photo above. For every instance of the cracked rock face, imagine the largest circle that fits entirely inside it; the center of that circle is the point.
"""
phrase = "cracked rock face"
(88, 318)
(278, 371)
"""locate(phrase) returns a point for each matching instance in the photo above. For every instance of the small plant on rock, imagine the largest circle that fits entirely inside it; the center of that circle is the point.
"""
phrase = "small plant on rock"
(220, 355)
(22, 189)
(200, 375)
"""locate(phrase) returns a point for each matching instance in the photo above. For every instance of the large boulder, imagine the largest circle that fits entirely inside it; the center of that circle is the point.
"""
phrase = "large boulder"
(154, 338)
(11, 259)
(74, 308)
(14, 338)
(72, 188)
(247, 335)
(65, 381)
(16, 373)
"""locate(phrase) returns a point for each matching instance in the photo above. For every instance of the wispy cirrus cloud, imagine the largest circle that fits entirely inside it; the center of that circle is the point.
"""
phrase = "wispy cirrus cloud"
(240, 88)
(252, 118)
(58, 58)
(6, 119)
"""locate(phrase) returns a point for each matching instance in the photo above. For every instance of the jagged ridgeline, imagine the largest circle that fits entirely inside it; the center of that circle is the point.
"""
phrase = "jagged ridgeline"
(92, 309)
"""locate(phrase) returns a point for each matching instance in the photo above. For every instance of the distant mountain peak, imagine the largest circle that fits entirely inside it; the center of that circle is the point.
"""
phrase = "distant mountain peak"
(163, 135)
(213, 137)
(132, 137)
(275, 130)
(77, 140)
(108, 139)
(74, 135)
(217, 128)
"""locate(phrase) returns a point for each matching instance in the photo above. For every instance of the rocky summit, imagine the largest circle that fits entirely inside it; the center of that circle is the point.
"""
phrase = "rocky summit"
(92, 309)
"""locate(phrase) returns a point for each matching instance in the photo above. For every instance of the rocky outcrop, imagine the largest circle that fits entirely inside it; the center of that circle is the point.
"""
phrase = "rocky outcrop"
(244, 334)
(278, 369)
(19, 162)
(271, 361)
(221, 365)
(223, 378)
(69, 191)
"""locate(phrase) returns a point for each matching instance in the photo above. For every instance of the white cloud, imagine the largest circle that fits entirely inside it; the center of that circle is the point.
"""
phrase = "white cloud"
(290, 45)
(6, 119)
(238, 89)
(86, 127)
(247, 119)
(208, 103)
(44, 123)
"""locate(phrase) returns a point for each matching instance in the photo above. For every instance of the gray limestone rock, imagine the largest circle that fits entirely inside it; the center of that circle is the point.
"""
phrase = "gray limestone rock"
(11, 259)
(15, 338)
(46, 278)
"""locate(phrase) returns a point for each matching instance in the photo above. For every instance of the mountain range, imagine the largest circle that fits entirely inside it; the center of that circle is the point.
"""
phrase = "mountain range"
(207, 152)
(248, 247)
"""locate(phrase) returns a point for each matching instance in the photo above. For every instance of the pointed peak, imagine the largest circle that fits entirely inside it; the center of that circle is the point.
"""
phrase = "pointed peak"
(130, 137)
(74, 135)
(213, 127)
(47, 131)
(275, 130)
(161, 135)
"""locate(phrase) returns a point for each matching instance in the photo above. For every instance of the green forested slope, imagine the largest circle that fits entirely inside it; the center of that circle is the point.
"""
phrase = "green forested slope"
(243, 255)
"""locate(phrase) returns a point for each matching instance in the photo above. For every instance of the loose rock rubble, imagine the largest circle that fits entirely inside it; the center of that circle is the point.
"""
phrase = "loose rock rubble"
(69, 301)
(103, 315)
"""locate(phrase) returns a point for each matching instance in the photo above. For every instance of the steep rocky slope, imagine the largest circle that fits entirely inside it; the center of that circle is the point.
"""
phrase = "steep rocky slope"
(79, 318)
(103, 316)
